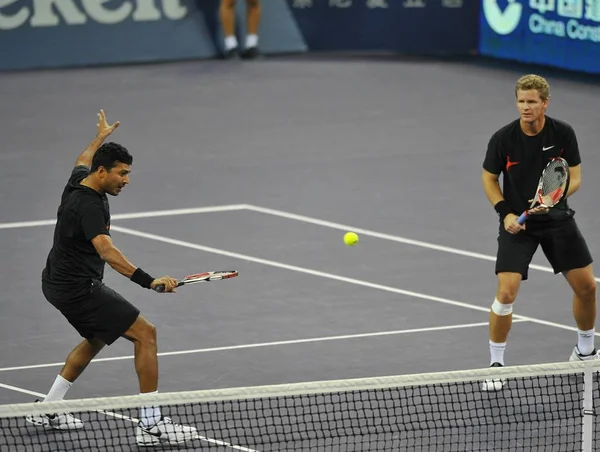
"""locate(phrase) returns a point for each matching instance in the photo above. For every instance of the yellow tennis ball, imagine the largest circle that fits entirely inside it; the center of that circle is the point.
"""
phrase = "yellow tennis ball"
(350, 238)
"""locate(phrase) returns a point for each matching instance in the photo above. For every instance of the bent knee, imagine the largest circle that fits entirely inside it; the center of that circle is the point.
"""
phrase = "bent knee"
(506, 296)
(146, 334)
(150, 334)
(586, 291)
(252, 3)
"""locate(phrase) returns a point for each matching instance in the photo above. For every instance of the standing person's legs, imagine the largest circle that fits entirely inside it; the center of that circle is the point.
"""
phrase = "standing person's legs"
(75, 364)
(153, 428)
(143, 335)
(514, 255)
(227, 15)
(583, 284)
(100, 317)
(500, 320)
(567, 251)
(253, 23)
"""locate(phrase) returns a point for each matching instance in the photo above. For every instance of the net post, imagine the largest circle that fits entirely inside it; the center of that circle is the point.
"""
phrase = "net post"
(588, 410)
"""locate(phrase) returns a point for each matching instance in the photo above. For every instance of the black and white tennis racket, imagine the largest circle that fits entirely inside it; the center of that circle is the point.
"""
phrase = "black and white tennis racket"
(551, 188)
(202, 277)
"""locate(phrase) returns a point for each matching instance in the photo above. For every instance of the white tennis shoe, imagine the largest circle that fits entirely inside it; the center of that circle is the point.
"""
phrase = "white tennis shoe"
(577, 356)
(164, 431)
(493, 384)
(61, 421)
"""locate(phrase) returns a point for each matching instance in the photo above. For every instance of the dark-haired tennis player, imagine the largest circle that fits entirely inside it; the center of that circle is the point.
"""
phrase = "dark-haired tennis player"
(520, 151)
(72, 282)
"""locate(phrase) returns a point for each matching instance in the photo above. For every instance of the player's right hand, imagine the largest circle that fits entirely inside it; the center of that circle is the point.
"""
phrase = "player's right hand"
(511, 224)
(169, 283)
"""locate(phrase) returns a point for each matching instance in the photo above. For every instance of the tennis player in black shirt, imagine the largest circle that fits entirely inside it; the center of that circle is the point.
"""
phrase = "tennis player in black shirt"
(72, 282)
(520, 151)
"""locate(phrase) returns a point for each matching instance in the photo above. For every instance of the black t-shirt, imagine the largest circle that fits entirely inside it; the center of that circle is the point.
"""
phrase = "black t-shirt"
(73, 262)
(522, 158)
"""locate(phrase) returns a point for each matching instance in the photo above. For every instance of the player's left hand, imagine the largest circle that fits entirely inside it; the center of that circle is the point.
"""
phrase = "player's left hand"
(538, 210)
(104, 130)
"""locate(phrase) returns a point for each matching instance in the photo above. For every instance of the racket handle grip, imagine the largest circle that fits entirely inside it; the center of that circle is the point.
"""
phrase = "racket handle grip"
(522, 218)
(160, 288)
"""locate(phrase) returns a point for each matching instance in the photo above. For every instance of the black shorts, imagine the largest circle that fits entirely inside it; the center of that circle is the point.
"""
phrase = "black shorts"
(562, 243)
(101, 314)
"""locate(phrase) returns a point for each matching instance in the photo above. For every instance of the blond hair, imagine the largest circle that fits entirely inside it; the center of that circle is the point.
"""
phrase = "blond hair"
(532, 81)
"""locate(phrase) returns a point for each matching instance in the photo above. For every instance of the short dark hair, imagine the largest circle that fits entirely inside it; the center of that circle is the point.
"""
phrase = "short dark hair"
(109, 155)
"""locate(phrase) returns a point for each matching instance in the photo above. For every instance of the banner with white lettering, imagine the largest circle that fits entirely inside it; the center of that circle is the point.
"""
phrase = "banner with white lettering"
(560, 33)
(411, 26)
(62, 33)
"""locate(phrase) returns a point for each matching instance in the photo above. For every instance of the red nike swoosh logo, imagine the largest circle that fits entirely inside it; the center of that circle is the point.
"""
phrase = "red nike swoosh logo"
(509, 163)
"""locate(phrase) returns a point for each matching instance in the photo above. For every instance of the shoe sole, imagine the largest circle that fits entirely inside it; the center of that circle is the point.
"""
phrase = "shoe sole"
(159, 443)
(154, 441)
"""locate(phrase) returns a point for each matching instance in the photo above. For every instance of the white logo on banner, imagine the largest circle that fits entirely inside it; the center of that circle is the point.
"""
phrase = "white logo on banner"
(452, 3)
(340, 3)
(377, 4)
(300, 4)
(47, 13)
(503, 22)
(414, 4)
(570, 8)
(542, 5)
(592, 10)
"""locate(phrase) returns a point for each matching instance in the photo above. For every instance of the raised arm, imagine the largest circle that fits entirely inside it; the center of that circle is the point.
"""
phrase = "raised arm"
(104, 130)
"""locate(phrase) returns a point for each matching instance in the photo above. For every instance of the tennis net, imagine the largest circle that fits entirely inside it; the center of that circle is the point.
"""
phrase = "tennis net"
(547, 407)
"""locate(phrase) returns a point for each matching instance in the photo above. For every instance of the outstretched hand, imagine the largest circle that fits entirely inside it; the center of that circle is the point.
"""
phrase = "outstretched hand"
(104, 130)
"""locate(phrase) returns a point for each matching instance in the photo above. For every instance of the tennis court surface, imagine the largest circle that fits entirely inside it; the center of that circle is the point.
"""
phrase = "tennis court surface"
(261, 167)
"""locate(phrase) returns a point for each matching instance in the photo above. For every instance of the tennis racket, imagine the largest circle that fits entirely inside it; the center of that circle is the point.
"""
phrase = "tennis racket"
(551, 188)
(202, 277)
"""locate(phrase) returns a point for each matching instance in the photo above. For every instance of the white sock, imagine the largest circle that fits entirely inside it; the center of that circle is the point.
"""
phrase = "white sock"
(230, 42)
(497, 352)
(251, 41)
(150, 415)
(58, 389)
(585, 341)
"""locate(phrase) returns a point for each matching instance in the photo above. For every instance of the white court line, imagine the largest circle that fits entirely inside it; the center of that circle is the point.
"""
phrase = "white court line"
(131, 419)
(380, 235)
(160, 238)
(128, 216)
(39, 394)
(24, 391)
(272, 344)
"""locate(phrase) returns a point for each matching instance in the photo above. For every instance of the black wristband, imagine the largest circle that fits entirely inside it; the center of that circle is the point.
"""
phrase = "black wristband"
(142, 278)
(502, 209)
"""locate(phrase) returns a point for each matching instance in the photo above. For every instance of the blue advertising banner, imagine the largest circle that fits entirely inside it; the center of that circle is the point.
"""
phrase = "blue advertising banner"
(59, 33)
(408, 26)
(560, 33)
